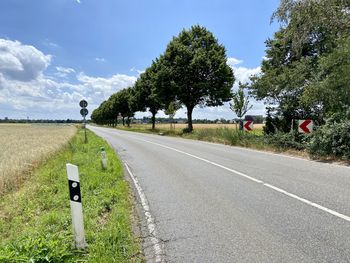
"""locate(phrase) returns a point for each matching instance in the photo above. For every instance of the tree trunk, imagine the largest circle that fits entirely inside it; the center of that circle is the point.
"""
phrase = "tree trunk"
(240, 124)
(189, 118)
(153, 120)
(123, 121)
(128, 121)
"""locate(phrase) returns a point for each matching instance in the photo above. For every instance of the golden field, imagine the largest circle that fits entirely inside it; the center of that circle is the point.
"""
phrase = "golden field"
(24, 146)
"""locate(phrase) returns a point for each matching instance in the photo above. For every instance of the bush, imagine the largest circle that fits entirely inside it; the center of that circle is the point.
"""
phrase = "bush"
(333, 138)
(291, 140)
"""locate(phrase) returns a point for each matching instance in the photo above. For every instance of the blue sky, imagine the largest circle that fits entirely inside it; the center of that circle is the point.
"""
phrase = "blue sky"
(55, 52)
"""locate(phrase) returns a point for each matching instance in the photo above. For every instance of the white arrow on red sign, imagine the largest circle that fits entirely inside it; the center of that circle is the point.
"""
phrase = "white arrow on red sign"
(248, 125)
(305, 126)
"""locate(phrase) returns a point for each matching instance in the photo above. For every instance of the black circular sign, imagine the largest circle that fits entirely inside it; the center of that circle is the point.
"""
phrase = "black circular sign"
(84, 112)
(83, 103)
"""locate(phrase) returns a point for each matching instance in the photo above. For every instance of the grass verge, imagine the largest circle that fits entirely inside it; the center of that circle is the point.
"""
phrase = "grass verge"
(286, 143)
(35, 223)
(224, 135)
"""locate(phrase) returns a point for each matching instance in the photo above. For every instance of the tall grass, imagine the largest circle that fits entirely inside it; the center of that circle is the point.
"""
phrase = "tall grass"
(35, 221)
(23, 147)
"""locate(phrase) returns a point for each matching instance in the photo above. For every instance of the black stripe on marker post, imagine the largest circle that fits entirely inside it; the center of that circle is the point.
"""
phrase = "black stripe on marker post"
(74, 191)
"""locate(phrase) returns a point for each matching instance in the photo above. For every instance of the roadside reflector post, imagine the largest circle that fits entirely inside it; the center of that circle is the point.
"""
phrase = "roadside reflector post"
(103, 158)
(76, 206)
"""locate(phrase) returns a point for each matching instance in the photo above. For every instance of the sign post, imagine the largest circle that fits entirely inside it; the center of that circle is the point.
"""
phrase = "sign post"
(84, 111)
(76, 206)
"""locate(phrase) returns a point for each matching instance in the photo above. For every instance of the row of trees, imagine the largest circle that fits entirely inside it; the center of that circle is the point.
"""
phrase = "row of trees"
(191, 72)
(306, 70)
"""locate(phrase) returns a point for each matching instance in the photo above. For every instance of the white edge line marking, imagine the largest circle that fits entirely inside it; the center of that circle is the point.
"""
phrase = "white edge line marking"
(149, 218)
(330, 211)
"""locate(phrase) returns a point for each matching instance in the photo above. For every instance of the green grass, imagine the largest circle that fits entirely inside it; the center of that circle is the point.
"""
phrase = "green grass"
(35, 221)
(253, 139)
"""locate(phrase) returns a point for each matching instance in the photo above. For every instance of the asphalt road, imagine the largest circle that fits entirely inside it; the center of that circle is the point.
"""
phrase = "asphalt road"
(214, 203)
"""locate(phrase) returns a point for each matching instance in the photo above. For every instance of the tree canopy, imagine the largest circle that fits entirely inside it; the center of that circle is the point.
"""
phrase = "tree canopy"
(197, 70)
(192, 71)
(303, 74)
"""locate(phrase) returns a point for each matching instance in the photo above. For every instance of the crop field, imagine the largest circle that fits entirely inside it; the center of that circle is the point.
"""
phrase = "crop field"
(24, 146)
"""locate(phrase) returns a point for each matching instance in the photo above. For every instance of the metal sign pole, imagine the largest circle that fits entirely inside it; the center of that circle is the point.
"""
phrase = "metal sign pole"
(84, 111)
(85, 130)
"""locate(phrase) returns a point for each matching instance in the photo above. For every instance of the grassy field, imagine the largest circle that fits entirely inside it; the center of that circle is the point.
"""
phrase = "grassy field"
(220, 133)
(23, 147)
(35, 220)
(180, 126)
(211, 132)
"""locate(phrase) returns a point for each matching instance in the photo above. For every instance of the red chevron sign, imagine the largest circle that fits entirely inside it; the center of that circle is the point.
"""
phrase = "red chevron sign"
(305, 126)
(248, 125)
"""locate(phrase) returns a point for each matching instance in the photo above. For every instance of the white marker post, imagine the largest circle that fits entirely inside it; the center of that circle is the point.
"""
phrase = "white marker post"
(76, 206)
(103, 158)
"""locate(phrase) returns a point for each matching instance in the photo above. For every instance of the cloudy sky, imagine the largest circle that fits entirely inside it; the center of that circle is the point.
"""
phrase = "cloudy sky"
(53, 53)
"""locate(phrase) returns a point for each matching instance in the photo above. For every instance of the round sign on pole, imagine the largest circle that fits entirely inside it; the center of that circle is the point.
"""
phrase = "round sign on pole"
(83, 103)
(84, 112)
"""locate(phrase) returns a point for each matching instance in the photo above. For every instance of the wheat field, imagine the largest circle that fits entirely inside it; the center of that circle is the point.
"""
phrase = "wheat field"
(24, 146)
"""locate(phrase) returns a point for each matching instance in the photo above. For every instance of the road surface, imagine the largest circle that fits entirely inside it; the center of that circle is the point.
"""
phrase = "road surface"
(205, 202)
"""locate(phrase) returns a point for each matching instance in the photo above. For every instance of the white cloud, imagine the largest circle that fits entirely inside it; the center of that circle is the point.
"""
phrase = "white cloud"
(242, 74)
(64, 72)
(102, 88)
(21, 62)
(49, 43)
(78, 1)
(233, 61)
(27, 90)
(139, 72)
(100, 59)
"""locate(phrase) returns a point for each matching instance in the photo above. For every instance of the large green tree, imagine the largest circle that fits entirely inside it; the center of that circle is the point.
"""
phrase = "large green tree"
(145, 94)
(311, 31)
(194, 71)
(123, 104)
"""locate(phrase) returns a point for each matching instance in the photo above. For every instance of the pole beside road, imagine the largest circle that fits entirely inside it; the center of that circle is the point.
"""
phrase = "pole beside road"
(103, 158)
(84, 111)
(76, 206)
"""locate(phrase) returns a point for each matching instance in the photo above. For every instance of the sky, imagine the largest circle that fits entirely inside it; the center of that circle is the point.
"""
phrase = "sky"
(53, 53)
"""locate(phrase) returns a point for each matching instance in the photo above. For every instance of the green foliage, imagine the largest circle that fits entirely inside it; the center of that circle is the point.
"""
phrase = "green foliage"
(333, 139)
(192, 71)
(331, 87)
(35, 221)
(285, 141)
(197, 72)
(146, 95)
(121, 102)
(305, 70)
(49, 248)
(240, 103)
